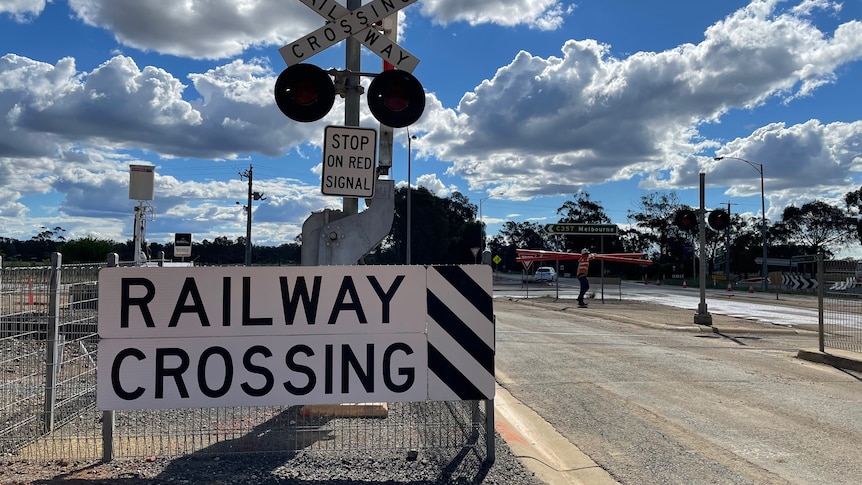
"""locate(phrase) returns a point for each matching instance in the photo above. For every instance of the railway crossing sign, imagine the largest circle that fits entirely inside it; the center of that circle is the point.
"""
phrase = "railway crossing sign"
(360, 24)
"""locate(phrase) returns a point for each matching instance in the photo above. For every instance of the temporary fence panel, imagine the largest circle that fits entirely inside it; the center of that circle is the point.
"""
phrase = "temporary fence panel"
(841, 305)
(48, 362)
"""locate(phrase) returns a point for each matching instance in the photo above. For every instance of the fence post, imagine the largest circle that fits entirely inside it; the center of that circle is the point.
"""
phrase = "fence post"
(52, 337)
(490, 436)
(821, 279)
(109, 421)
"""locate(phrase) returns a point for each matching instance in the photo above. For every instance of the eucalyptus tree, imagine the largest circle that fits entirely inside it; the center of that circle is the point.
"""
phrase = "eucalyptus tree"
(584, 210)
(816, 227)
(654, 219)
(524, 235)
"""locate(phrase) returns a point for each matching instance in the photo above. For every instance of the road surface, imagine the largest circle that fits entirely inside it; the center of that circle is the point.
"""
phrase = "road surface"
(654, 399)
(788, 310)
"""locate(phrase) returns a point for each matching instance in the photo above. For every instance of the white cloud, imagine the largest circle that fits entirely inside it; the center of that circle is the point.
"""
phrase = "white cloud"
(801, 163)
(22, 10)
(199, 29)
(550, 125)
(218, 29)
(435, 185)
(538, 126)
(538, 14)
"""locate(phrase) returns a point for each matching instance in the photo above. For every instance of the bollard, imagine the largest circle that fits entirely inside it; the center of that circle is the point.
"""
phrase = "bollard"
(750, 287)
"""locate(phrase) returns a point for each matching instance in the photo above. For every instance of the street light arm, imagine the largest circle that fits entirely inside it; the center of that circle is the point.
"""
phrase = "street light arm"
(759, 168)
(756, 166)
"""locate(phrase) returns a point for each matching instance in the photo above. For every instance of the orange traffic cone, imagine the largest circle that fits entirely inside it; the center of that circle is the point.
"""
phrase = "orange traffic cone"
(729, 286)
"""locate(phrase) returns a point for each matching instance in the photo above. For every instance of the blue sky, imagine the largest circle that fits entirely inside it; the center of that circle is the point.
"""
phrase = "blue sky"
(528, 101)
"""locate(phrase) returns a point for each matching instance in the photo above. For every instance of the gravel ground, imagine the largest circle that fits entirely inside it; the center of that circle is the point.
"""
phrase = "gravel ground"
(427, 468)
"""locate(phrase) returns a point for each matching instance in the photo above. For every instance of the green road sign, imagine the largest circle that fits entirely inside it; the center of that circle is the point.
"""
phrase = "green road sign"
(582, 229)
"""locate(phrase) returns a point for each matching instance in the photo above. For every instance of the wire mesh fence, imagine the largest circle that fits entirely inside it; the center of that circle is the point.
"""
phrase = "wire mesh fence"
(47, 350)
(842, 305)
(237, 430)
(48, 362)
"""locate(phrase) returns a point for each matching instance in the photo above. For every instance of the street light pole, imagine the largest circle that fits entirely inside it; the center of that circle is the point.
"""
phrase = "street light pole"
(759, 167)
(409, 196)
(482, 224)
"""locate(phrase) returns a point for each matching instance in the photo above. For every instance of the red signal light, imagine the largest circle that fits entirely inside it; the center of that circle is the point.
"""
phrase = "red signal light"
(719, 220)
(685, 219)
(396, 98)
(304, 92)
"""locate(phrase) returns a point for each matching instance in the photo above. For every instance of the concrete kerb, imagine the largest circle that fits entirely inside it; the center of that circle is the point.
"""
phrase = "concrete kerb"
(540, 447)
(841, 359)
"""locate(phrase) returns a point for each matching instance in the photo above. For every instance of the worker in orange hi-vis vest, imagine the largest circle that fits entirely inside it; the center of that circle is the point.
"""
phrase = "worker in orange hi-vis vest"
(583, 269)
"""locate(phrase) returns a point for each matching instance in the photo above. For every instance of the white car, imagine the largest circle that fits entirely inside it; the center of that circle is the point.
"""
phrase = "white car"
(545, 273)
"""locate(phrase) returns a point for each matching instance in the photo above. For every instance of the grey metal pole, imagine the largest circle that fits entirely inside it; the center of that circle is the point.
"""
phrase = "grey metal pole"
(52, 329)
(409, 199)
(765, 268)
(490, 443)
(481, 231)
(602, 265)
(109, 421)
(727, 248)
(353, 63)
(248, 219)
(482, 225)
(702, 317)
(821, 293)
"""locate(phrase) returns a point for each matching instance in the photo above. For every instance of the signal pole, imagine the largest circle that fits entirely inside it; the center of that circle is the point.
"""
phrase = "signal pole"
(252, 195)
(727, 246)
(353, 63)
(702, 317)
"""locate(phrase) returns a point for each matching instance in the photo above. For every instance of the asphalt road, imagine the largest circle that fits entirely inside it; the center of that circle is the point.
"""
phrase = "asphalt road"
(654, 399)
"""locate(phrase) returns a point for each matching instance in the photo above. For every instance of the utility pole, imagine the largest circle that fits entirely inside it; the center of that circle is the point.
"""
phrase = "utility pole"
(252, 195)
(727, 248)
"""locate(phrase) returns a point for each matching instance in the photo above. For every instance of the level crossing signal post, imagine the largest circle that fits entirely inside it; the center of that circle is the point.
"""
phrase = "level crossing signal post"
(306, 93)
(687, 219)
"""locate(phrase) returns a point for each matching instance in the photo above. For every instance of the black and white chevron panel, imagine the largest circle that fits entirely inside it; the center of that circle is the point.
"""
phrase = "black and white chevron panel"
(798, 282)
(461, 339)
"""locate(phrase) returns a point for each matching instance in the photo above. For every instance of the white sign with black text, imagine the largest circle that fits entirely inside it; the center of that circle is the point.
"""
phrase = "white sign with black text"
(349, 161)
(261, 371)
(239, 336)
(361, 24)
(212, 301)
(223, 336)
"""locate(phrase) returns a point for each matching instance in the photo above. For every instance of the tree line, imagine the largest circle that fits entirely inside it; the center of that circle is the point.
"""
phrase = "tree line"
(446, 230)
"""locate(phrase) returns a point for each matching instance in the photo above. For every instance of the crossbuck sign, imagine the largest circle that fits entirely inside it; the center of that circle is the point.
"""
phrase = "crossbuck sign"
(360, 24)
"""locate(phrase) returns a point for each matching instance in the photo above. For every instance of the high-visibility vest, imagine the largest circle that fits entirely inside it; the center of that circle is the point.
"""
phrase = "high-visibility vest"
(584, 264)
